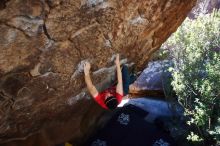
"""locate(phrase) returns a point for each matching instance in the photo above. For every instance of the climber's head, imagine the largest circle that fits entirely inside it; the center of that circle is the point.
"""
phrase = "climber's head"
(111, 102)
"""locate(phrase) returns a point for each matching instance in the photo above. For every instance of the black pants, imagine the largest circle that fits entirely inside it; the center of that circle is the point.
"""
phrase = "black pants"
(125, 79)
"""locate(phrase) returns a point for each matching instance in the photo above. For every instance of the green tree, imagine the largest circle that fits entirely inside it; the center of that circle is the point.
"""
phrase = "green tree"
(195, 52)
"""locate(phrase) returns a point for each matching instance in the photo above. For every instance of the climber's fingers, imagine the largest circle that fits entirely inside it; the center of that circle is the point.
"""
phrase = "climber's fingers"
(117, 60)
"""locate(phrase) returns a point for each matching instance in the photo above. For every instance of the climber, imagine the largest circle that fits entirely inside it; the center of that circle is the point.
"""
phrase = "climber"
(112, 96)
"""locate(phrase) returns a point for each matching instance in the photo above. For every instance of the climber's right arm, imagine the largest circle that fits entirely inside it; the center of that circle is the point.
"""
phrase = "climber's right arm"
(92, 89)
(119, 87)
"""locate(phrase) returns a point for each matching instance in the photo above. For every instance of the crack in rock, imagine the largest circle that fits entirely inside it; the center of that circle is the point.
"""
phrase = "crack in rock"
(30, 26)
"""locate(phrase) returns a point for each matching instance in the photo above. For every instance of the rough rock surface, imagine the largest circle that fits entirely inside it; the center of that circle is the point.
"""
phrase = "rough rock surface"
(43, 45)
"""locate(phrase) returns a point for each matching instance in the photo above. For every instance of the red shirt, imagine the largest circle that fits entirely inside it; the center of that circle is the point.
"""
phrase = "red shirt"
(100, 98)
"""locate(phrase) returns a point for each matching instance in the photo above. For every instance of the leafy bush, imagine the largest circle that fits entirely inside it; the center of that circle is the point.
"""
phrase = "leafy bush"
(195, 52)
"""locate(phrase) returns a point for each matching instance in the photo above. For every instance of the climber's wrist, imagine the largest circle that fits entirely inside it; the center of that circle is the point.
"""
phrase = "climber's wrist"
(87, 72)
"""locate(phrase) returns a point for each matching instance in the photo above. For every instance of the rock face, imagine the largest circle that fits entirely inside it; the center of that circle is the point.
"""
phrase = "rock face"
(153, 76)
(43, 45)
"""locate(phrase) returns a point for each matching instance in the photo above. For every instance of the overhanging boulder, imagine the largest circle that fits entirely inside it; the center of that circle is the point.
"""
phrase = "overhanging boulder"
(43, 45)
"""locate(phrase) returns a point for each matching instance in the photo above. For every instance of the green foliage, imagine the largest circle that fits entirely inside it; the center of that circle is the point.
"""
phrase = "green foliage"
(195, 52)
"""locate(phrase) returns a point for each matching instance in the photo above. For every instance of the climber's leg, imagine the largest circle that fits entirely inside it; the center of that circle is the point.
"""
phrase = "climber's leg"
(126, 79)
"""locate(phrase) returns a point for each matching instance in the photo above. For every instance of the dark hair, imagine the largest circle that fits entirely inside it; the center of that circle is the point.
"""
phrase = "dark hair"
(111, 102)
